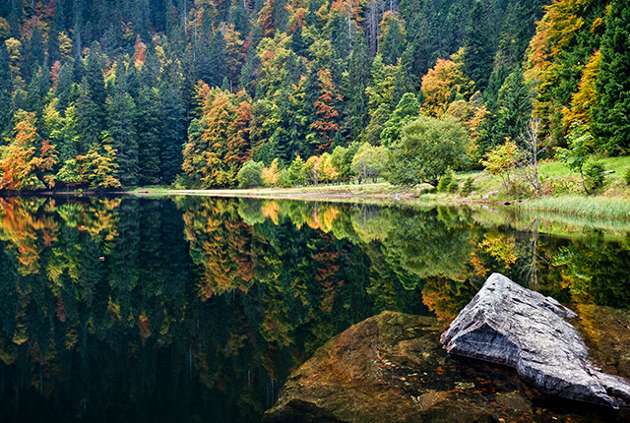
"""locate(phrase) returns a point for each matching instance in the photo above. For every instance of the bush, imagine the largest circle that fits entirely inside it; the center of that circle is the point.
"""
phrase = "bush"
(594, 176)
(249, 175)
(326, 169)
(428, 147)
(447, 182)
(468, 186)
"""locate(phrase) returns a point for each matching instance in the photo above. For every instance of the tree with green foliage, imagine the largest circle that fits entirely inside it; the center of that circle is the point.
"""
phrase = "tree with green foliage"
(295, 174)
(611, 113)
(6, 91)
(369, 162)
(512, 114)
(148, 124)
(121, 114)
(249, 176)
(428, 147)
(408, 108)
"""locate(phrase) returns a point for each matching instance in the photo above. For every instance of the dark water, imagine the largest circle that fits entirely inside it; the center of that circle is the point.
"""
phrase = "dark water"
(198, 309)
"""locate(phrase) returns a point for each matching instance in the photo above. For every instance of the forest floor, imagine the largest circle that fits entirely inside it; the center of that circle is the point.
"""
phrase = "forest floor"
(613, 202)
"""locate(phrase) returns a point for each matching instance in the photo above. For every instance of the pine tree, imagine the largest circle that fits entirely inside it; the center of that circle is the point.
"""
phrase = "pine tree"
(121, 111)
(148, 123)
(66, 90)
(479, 44)
(407, 109)
(513, 112)
(89, 118)
(216, 56)
(392, 43)
(6, 88)
(172, 131)
(354, 82)
(611, 114)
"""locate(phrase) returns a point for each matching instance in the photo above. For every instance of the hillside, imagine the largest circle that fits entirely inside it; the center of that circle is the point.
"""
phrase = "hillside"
(108, 94)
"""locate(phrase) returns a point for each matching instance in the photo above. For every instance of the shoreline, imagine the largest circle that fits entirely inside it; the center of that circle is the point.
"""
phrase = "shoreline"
(382, 194)
(616, 208)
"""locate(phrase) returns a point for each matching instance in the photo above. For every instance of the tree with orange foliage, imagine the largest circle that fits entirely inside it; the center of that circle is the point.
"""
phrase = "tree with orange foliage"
(326, 124)
(27, 162)
(445, 83)
(218, 142)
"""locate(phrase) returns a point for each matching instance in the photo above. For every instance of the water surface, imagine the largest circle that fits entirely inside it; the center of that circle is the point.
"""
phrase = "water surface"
(198, 309)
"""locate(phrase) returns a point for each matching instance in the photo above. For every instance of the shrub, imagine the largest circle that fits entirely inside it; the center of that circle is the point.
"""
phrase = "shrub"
(427, 148)
(447, 182)
(594, 176)
(468, 186)
(249, 175)
(311, 170)
(326, 169)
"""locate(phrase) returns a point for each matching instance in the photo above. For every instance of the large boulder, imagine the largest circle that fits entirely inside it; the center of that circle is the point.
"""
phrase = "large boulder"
(508, 324)
(392, 368)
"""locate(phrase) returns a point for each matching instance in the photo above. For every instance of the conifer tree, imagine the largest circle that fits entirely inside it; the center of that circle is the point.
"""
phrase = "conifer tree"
(6, 88)
(611, 114)
(172, 131)
(148, 123)
(89, 118)
(121, 112)
(479, 44)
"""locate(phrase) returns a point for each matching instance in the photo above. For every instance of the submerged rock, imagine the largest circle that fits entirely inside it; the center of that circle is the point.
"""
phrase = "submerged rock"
(391, 367)
(514, 326)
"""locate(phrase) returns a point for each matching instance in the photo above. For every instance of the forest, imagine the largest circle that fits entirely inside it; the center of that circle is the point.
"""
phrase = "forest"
(111, 94)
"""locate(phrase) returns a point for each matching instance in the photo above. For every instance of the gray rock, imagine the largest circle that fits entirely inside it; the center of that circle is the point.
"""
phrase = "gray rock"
(514, 326)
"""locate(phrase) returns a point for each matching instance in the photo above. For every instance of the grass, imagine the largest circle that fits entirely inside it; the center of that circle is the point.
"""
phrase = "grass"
(556, 170)
(616, 208)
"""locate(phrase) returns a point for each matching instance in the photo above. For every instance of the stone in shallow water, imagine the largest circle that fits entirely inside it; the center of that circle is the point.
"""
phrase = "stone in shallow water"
(392, 368)
(514, 326)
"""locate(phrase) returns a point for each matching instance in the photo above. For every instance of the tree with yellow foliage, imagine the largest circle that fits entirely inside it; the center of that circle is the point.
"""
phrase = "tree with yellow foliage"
(27, 162)
(445, 83)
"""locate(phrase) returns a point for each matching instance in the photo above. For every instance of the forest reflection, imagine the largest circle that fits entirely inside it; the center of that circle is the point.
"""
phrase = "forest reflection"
(199, 308)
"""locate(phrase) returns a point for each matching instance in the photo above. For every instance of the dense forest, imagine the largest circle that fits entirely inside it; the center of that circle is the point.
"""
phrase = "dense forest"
(213, 93)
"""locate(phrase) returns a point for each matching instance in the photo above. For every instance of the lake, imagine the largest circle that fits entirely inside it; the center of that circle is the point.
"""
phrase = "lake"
(199, 309)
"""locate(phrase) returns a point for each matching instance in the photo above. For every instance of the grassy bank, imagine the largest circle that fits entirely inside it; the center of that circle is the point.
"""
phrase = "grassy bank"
(563, 193)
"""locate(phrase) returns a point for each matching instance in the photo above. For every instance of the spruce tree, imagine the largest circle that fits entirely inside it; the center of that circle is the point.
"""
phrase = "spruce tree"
(148, 122)
(172, 131)
(513, 111)
(66, 89)
(479, 45)
(89, 118)
(6, 88)
(121, 112)
(611, 114)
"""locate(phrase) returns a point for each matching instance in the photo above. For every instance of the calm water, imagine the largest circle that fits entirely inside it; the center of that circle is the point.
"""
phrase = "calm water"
(198, 309)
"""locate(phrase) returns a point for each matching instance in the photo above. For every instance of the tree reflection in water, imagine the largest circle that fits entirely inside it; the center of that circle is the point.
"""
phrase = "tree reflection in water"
(199, 308)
